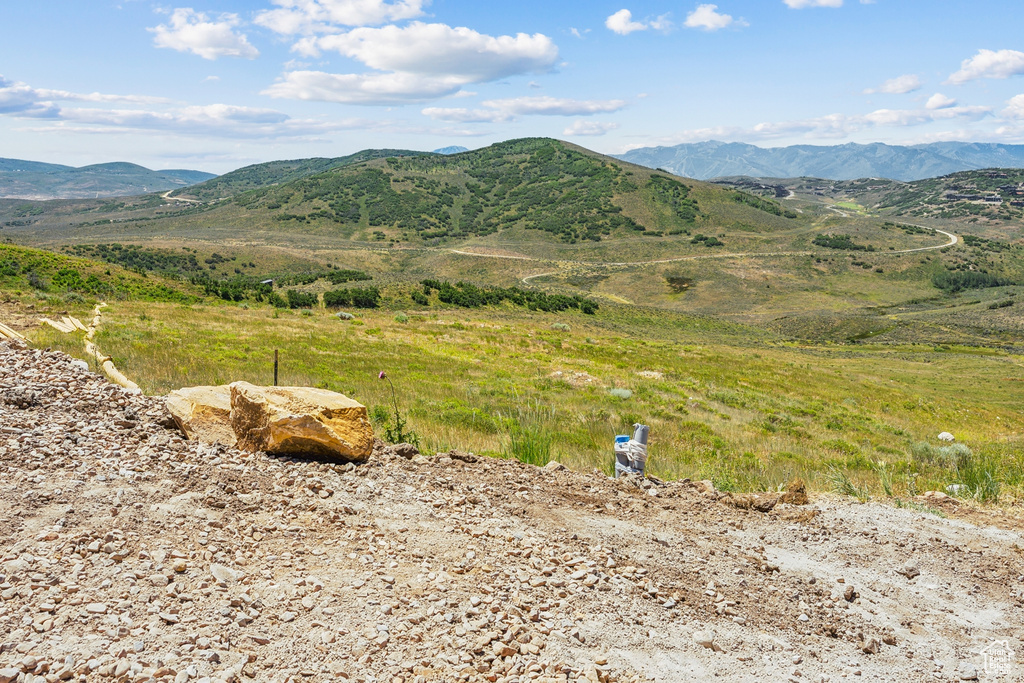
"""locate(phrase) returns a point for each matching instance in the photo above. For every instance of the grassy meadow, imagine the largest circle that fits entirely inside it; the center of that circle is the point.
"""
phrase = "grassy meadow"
(737, 405)
(761, 339)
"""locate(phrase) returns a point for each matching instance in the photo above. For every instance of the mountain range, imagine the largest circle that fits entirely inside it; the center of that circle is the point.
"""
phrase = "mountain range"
(713, 159)
(21, 179)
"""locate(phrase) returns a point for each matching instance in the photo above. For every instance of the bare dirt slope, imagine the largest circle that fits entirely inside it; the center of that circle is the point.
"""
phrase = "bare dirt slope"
(130, 554)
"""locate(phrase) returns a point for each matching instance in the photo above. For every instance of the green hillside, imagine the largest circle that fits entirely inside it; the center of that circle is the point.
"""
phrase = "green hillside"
(536, 290)
(278, 172)
(23, 269)
(35, 180)
(535, 184)
(540, 214)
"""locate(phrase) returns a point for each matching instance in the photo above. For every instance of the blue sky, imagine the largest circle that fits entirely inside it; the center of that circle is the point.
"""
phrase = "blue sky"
(218, 84)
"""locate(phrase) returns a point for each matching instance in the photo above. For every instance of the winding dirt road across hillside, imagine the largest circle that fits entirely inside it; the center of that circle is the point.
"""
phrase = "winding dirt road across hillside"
(953, 240)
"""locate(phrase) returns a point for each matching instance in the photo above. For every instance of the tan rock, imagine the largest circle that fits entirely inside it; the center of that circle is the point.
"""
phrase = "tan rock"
(300, 421)
(203, 413)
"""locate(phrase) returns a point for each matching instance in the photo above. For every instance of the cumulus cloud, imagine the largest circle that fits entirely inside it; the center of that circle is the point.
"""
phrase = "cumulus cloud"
(195, 32)
(380, 88)
(833, 126)
(22, 99)
(325, 16)
(708, 18)
(465, 115)
(415, 63)
(939, 101)
(435, 49)
(1014, 108)
(801, 4)
(897, 86)
(589, 128)
(989, 64)
(553, 106)
(500, 110)
(622, 23)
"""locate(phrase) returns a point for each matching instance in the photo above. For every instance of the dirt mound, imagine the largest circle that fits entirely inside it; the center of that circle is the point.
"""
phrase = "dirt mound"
(130, 554)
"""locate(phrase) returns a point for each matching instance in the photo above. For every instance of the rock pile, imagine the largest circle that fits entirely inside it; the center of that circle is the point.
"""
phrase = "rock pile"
(277, 420)
(132, 554)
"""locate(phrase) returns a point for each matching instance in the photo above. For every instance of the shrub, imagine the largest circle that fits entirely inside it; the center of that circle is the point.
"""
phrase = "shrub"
(959, 280)
(359, 297)
(298, 299)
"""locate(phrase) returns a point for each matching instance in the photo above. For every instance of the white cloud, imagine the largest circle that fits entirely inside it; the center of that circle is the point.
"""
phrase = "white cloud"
(939, 101)
(974, 113)
(436, 49)
(897, 86)
(622, 23)
(553, 106)
(415, 63)
(708, 18)
(379, 88)
(324, 16)
(989, 64)
(218, 121)
(833, 126)
(194, 32)
(589, 128)
(1014, 108)
(23, 100)
(578, 33)
(802, 4)
(897, 117)
(463, 115)
(509, 109)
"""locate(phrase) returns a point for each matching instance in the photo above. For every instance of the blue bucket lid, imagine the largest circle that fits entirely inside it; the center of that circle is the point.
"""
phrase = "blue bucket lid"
(622, 438)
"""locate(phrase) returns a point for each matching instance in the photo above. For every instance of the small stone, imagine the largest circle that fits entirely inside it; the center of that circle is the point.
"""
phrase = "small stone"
(169, 618)
(968, 672)
(909, 571)
(287, 617)
(849, 594)
(159, 580)
(706, 639)
(224, 574)
(96, 608)
(179, 566)
(870, 646)
(503, 649)
(9, 675)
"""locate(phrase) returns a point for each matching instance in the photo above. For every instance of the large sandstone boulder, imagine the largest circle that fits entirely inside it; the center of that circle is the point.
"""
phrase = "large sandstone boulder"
(203, 413)
(300, 421)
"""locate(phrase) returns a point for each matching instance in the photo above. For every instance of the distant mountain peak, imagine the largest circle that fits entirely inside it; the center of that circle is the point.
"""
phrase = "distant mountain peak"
(849, 161)
(21, 179)
(453, 149)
